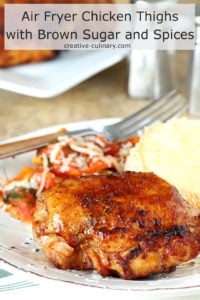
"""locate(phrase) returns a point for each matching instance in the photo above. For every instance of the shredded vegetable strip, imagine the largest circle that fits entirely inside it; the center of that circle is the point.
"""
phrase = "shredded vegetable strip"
(43, 178)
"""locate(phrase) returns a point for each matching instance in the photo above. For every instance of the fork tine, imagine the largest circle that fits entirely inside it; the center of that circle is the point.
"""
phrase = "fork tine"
(154, 105)
(81, 132)
(87, 132)
(175, 109)
(160, 110)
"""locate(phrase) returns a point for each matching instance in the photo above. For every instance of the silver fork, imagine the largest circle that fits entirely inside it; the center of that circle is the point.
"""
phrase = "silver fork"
(163, 109)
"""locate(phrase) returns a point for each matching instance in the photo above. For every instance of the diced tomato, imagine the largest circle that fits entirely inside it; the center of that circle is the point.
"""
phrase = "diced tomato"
(25, 210)
(72, 172)
(37, 160)
(134, 139)
(50, 179)
(25, 173)
(67, 151)
(95, 166)
(112, 149)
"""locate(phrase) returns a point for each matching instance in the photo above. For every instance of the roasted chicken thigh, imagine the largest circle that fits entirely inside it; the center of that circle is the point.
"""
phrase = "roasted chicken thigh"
(124, 224)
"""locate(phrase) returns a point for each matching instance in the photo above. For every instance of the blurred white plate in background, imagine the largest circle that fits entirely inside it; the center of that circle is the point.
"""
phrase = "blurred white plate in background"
(53, 77)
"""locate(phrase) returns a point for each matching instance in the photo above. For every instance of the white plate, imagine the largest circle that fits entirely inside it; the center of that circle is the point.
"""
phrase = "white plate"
(21, 251)
(53, 77)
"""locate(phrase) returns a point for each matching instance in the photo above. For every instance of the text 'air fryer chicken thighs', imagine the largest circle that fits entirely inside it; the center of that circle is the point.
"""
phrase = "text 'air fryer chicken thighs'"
(129, 225)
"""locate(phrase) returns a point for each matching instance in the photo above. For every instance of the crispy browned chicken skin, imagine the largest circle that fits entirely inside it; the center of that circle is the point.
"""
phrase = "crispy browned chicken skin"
(130, 225)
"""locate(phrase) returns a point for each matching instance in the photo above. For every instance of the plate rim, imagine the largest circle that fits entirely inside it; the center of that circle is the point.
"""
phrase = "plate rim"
(173, 291)
(50, 91)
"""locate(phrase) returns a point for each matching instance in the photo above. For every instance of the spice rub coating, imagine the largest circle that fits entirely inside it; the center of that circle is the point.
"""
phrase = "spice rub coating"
(125, 224)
